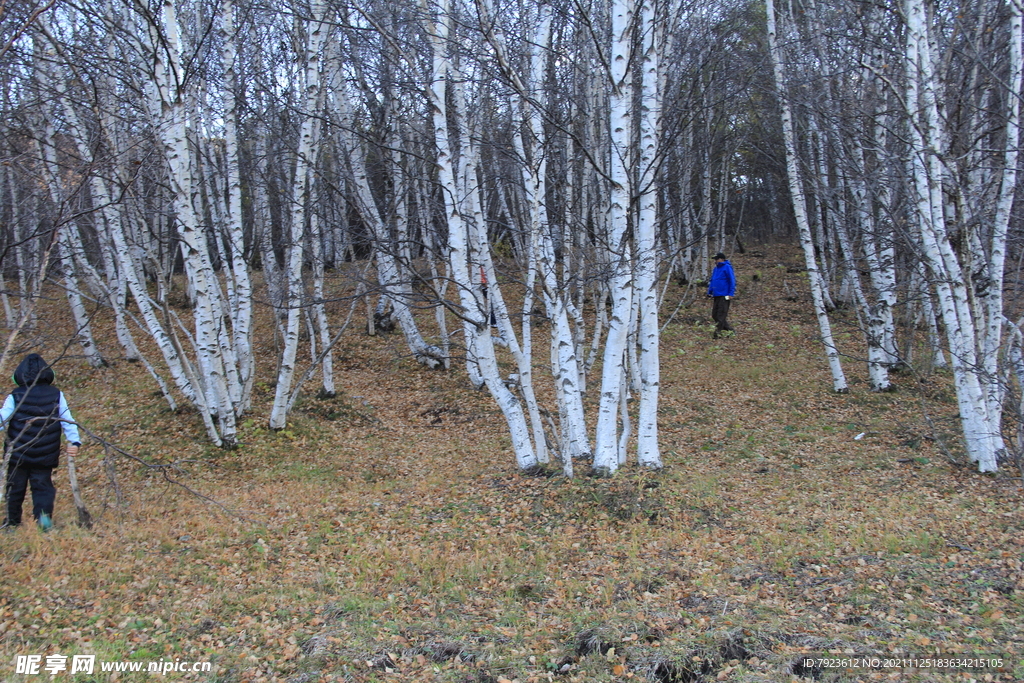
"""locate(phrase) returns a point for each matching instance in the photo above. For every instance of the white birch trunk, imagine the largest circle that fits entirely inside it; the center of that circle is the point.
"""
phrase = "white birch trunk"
(83, 324)
(115, 246)
(433, 252)
(533, 150)
(483, 341)
(9, 314)
(169, 104)
(521, 354)
(948, 279)
(817, 218)
(992, 340)
(475, 324)
(606, 451)
(114, 290)
(924, 312)
(116, 285)
(302, 194)
(872, 321)
(800, 210)
(879, 254)
(241, 302)
(326, 355)
(397, 291)
(66, 254)
(648, 453)
(565, 360)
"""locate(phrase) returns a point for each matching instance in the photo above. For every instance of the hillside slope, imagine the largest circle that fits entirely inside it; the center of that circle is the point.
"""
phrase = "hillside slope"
(386, 535)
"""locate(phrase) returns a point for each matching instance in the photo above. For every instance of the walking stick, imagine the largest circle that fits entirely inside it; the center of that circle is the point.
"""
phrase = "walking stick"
(84, 518)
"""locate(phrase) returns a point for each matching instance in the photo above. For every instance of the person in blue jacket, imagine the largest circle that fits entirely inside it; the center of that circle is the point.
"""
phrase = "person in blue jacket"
(35, 414)
(722, 288)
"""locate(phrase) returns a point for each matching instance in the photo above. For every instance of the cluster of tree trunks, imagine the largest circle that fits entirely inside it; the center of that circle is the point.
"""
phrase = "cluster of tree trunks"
(457, 156)
(904, 163)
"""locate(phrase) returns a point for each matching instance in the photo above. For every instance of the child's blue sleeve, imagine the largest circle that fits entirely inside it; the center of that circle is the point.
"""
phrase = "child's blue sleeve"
(67, 423)
(7, 410)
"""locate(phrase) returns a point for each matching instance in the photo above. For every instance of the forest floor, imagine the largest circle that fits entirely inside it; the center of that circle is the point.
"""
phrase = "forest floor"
(386, 534)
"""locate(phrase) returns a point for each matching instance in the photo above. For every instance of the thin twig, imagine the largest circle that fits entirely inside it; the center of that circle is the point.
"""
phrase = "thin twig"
(164, 469)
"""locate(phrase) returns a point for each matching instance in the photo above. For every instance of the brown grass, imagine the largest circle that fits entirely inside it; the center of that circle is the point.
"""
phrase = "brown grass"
(387, 536)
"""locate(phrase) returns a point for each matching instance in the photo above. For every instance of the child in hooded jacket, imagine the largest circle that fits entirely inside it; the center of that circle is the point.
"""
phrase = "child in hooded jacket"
(35, 414)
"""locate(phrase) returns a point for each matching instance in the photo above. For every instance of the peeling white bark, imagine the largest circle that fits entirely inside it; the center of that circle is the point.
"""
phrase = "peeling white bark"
(476, 326)
(927, 143)
(648, 453)
(302, 196)
(606, 452)
(800, 210)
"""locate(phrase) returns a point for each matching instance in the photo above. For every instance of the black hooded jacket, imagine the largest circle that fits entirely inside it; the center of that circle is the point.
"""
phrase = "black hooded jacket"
(34, 429)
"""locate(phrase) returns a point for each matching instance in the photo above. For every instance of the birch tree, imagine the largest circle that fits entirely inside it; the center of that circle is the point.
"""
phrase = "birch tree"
(302, 192)
(608, 452)
(647, 252)
(800, 208)
(240, 290)
(928, 142)
(476, 328)
(533, 150)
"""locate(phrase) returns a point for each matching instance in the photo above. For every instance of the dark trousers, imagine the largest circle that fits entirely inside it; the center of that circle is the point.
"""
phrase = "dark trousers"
(43, 491)
(720, 314)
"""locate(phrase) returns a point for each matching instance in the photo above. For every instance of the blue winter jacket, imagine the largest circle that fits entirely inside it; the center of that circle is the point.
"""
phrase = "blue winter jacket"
(723, 280)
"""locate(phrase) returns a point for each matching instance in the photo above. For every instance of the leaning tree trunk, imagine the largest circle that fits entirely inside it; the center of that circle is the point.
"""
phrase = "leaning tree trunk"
(926, 141)
(994, 319)
(796, 190)
(392, 275)
(169, 104)
(532, 146)
(66, 255)
(475, 323)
